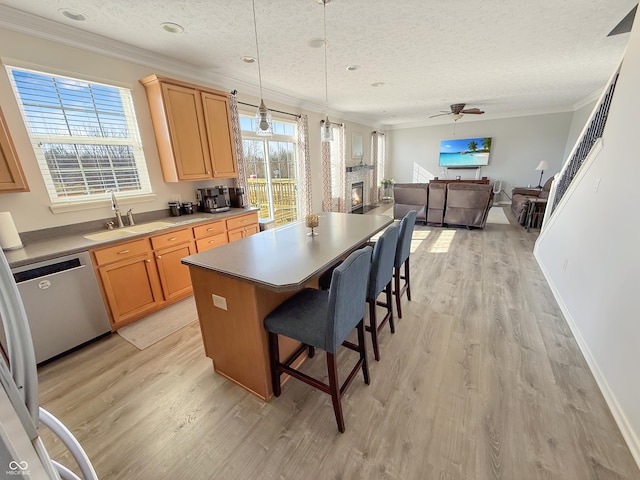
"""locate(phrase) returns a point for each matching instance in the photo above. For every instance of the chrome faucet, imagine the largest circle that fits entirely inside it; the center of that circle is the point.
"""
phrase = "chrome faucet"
(116, 208)
(130, 217)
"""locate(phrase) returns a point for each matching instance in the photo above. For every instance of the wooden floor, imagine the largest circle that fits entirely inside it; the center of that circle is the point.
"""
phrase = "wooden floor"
(482, 380)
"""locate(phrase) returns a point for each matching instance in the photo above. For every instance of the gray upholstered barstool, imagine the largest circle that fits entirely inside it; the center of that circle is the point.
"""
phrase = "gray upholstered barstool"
(324, 319)
(380, 279)
(403, 250)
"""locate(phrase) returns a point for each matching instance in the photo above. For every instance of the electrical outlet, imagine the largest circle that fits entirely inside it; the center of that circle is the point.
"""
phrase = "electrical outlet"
(565, 264)
(596, 185)
(219, 301)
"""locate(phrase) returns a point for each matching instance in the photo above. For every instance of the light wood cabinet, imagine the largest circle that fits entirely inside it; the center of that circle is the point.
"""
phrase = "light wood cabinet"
(242, 226)
(169, 250)
(12, 177)
(192, 126)
(139, 277)
(129, 281)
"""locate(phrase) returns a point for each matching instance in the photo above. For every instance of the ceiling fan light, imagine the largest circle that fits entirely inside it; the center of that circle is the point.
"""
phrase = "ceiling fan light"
(263, 121)
(456, 116)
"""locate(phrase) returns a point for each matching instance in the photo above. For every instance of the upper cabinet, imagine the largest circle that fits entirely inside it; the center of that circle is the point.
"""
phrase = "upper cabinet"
(192, 125)
(11, 176)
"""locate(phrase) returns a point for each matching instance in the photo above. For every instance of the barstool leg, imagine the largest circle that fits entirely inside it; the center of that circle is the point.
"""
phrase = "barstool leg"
(407, 279)
(396, 277)
(363, 351)
(334, 390)
(389, 296)
(373, 328)
(274, 358)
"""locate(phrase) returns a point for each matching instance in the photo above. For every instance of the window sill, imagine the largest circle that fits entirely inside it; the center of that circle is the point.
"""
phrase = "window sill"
(102, 203)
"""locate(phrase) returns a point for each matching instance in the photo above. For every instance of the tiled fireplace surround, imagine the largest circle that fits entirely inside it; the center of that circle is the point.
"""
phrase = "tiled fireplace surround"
(355, 175)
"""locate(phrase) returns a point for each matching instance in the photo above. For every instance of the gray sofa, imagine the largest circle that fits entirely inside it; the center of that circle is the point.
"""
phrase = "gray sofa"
(442, 203)
(410, 196)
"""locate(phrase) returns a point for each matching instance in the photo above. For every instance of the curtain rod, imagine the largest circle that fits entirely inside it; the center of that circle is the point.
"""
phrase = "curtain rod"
(297, 115)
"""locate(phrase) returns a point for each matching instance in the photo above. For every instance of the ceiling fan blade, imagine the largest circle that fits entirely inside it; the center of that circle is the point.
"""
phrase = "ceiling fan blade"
(439, 114)
(472, 111)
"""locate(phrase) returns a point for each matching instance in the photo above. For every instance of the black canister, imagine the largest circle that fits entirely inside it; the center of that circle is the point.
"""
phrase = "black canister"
(174, 209)
(187, 208)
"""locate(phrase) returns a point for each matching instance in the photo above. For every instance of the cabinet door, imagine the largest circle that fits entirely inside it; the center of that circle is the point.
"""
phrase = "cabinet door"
(174, 276)
(188, 132)
(132, 288)
(219, 135)
(11, 175)
(235, 234)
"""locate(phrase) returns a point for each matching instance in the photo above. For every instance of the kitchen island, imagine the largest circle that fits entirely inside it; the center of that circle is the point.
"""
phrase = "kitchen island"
(236, 285)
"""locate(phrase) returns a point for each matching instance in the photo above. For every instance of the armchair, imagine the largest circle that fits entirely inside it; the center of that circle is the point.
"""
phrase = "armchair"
(520, 199)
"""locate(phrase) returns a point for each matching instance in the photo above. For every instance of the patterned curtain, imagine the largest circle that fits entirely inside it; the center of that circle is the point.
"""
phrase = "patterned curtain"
(241, 181)
(378, 160)
(334, 201)
(342, 169)
(326, 176)
(304, 166)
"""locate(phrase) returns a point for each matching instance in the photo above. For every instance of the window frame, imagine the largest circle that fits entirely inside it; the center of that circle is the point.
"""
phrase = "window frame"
(58, 200)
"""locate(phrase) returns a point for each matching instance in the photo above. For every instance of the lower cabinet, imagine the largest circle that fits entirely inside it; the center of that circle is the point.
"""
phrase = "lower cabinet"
(142, 276)
(130, 283)
(174, 276)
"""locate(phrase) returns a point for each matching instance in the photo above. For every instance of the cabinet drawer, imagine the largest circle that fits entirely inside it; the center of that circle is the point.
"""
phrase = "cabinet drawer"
(209, 229)
(122, 251)
(170, 239)
(242, 221)
(211, 242)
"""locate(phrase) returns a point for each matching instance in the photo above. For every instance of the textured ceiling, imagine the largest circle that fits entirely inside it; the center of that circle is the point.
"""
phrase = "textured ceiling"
(505, 57)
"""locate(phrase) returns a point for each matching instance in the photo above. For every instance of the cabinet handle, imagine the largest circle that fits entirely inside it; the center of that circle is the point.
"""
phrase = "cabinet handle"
(159, 257)
(172, 239)
(210, 228)
(121, 252)
(147, 260)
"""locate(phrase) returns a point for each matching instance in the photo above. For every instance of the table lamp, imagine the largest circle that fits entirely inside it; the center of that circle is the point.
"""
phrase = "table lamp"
(542, 166)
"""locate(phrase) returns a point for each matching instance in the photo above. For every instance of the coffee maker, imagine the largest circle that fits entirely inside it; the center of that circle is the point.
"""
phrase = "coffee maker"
(236, 195)
(213, 200)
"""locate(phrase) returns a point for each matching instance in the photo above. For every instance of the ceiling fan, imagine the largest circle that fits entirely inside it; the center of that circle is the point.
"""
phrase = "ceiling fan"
(458, 110)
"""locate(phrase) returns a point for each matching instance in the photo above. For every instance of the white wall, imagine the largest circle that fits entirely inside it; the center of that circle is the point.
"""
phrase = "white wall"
(517, 147)
(30, 210)
(589, 252)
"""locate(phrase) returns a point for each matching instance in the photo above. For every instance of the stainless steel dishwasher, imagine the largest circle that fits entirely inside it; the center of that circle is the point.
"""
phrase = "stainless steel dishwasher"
(63, 303)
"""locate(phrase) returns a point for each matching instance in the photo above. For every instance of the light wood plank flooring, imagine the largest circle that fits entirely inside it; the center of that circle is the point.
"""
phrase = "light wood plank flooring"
(482, 380)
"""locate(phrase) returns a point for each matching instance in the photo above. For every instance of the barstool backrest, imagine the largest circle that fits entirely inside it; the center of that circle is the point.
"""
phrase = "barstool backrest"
(404, 238)
(382, 261)
(347, 297)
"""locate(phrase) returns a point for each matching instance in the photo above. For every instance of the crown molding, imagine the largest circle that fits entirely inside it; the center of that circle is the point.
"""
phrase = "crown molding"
(35, 26)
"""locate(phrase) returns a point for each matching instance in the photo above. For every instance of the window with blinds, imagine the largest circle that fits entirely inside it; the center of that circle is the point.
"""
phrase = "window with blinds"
(85, 136)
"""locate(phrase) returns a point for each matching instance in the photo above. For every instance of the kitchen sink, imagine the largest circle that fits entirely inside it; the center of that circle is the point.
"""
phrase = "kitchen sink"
(128, 231)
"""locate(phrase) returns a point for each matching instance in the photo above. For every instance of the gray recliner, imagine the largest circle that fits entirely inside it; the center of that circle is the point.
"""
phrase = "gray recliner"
(410, 196)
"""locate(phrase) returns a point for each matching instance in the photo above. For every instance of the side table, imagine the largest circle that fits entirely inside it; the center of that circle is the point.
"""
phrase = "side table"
(535, 212)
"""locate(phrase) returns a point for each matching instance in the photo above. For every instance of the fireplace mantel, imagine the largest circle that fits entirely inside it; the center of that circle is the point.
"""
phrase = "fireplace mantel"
(357, 168)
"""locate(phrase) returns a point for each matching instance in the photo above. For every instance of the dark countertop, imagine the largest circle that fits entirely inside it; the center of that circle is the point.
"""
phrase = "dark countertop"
(54, 245)
(286, 258)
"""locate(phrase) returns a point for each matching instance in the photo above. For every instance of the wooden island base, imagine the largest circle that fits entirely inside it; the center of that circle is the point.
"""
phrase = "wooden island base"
(235, 338)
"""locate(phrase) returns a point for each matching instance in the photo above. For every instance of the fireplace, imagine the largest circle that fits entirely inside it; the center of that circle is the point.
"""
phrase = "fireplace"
(357, 197)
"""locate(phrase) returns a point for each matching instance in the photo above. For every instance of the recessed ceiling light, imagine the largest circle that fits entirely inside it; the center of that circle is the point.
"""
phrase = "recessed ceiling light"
(352, 68)
(316, 42)
(377, 84)
(248, 59)
(172, 27)
(73, 14)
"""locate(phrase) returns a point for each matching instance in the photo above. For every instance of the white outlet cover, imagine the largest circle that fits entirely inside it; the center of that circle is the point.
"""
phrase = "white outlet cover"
(219, 301)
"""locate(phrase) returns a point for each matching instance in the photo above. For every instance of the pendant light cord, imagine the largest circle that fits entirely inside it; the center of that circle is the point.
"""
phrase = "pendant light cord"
(255, 29)
(326, 81)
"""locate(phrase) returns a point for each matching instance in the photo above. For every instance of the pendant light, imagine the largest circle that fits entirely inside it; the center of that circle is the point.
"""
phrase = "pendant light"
(326, 132)
(263, 115)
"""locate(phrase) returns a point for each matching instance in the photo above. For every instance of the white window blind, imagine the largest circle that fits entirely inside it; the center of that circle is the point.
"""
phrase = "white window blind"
(85, 136)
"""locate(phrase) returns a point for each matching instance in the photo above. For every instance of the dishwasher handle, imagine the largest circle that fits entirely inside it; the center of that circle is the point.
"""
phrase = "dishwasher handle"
(46, 270)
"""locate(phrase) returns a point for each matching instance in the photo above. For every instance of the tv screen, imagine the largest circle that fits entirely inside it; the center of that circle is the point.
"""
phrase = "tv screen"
(467, 152)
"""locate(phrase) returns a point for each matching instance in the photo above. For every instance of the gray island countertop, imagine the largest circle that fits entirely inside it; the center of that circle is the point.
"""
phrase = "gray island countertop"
(286, 258)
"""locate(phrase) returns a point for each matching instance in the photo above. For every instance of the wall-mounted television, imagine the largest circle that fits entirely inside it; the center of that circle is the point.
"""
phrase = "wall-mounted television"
(466, 152)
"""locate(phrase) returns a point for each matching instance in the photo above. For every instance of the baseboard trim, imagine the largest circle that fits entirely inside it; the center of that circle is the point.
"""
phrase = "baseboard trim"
(630, 437)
